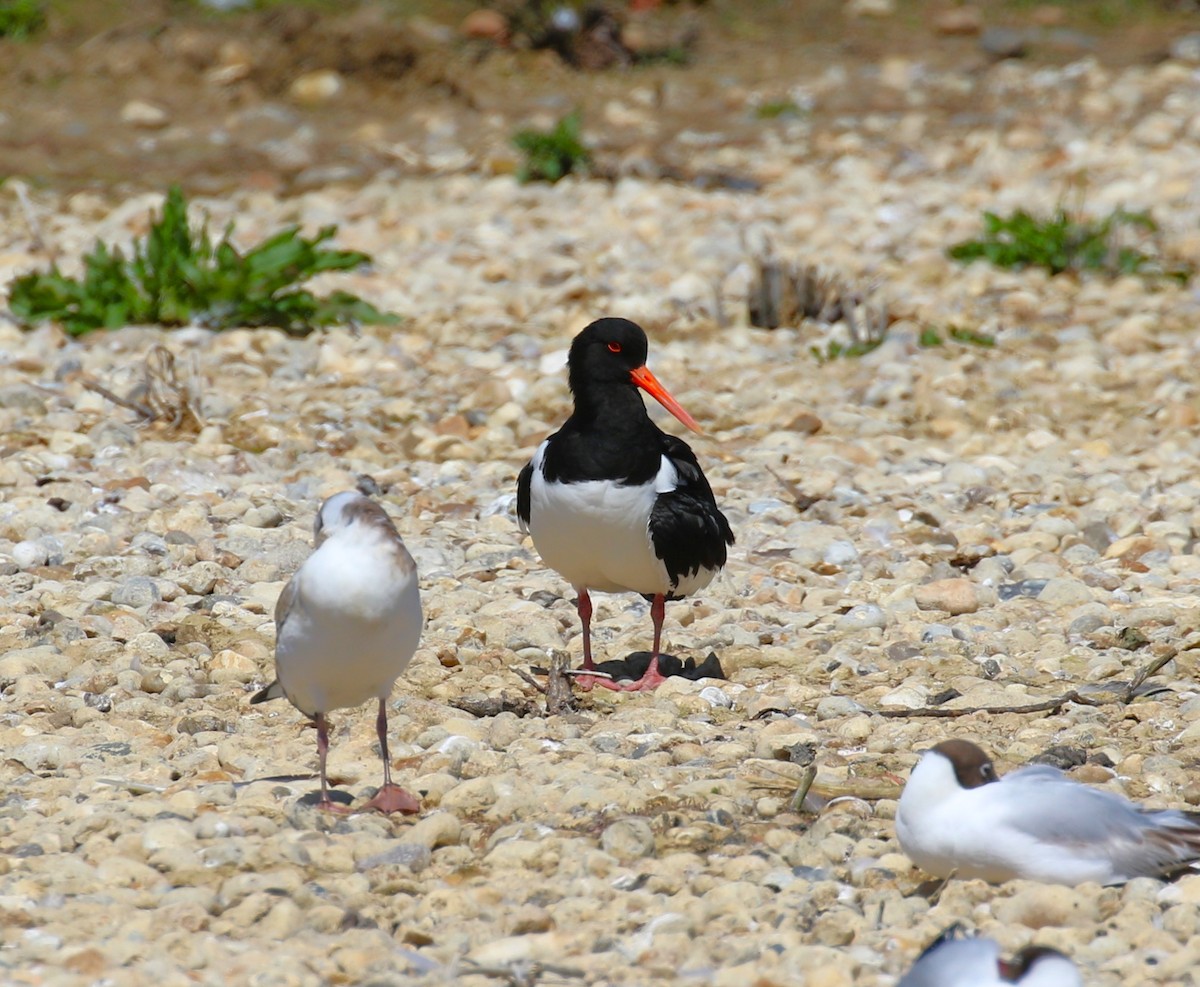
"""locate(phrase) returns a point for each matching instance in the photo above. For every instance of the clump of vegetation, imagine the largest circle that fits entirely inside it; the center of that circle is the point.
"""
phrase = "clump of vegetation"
(1068, 242)
(930, 336)
(176, 276)
(551, 154)
(786, 294)
(776, 108)
(836, 350)
(20, 20)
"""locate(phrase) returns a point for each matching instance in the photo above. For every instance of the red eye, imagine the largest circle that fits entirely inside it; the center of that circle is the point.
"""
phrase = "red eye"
(614, 347)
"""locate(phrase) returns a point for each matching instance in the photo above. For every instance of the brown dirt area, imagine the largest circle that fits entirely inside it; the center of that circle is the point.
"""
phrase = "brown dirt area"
(412, 87)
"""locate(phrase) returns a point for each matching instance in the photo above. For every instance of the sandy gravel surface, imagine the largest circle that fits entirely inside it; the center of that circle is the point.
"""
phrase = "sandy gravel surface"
(1009, 523)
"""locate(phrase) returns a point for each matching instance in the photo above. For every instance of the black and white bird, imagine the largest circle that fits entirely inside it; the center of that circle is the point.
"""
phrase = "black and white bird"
(957, 960)
(612, 502)
(957, 816)
(346, 625)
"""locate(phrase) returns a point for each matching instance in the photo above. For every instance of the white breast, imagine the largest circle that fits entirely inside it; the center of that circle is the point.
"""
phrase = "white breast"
(352, 629)
(597, 533)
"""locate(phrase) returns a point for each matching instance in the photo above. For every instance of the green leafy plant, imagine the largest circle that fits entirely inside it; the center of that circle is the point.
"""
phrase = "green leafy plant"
(20, 20)
(776, 108)
(551, 154)
(176, 276)
(969, 337)
(930, 337)
(1066, 242)
(833, 350)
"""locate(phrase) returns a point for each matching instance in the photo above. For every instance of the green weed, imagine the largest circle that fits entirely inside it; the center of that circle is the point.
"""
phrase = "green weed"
(930, 337)
(833, 350)
(551, 154)
(776, 108)
(20, 20)
(1067, 242)
(176, 276)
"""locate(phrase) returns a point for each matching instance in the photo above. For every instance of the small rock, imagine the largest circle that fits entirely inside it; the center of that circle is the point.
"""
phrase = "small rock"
(1004, 42)
(1039, 906)
(415, 856)
(314, 88)
(860, 617)
(831, 707)
(1063, 592)
(1026, 587)
(959, 21)
(628, 839)
(29, 553)
(955, 596)
(485, 24)
(267, 516)
(147, 116)
(1186, 49)
(871, 8)
(136, 592)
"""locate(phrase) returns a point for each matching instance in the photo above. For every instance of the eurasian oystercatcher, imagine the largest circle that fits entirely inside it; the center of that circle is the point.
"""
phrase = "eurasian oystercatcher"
(346, 625)
(615, 504)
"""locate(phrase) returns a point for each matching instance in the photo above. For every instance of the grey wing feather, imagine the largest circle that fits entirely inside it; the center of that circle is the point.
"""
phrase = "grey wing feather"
(968, 962)
(283, 606)
(1074, 815)
(286, 601)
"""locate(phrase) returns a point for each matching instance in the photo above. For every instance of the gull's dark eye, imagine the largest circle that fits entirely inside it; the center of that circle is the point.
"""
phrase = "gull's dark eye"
(987, 771)
(614, 347)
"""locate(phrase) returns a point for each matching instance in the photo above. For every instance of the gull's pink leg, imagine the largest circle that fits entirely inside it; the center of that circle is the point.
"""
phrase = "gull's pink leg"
(389, 798)
(326, 803)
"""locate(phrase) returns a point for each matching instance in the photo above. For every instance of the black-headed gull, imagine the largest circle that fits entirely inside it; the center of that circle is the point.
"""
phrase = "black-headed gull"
(955, 960)
(347, 624)
(956, 816)
(614, 503)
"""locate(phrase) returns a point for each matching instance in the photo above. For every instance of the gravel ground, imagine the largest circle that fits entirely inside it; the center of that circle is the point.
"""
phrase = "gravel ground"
(1009, 523)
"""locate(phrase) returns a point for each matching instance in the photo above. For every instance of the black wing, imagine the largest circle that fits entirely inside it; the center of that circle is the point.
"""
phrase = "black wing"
(523, 481)
(687, 528)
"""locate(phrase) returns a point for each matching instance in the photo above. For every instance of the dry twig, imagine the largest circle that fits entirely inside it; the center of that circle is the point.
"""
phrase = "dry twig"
(1124, 697)
(162, 396)
(557, 690)
(522, 973)
(37, 241)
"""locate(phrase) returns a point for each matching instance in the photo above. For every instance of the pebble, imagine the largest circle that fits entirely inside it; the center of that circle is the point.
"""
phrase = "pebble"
(955, 596)
(144, 115)
(136, 592)
(628, 839)
(983, 522)
(861, 617)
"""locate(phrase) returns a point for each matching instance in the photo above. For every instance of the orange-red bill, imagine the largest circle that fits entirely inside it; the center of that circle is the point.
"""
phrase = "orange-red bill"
(649, 383)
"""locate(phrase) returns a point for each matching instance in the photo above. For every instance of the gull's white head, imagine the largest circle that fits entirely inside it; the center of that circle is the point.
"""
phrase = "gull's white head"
(347, 509)
(970, 765)
(946, 770)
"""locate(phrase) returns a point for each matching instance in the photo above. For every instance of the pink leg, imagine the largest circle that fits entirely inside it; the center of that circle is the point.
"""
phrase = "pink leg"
(652, 678)
(584, 606)
(326, 803)
(389, 798)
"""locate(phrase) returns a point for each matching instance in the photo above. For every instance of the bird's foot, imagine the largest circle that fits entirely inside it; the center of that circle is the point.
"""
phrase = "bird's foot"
(337, 808)
(585, 679)
(393, 798)
(651, 680)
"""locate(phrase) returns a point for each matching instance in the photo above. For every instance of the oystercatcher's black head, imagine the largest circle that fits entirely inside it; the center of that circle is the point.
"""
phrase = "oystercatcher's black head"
(611, 354)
